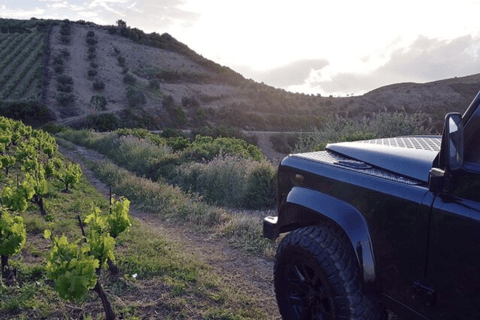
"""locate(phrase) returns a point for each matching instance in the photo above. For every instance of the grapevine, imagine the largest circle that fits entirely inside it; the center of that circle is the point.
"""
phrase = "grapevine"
(12, 238)
(72, 267)
(69, 175)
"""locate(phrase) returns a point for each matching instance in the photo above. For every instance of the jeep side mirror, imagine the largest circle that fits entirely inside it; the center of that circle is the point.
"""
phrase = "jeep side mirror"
(453, 153)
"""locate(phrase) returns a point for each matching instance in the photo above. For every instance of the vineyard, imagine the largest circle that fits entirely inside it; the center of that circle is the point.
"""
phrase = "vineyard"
(66, 253)
(21, 66)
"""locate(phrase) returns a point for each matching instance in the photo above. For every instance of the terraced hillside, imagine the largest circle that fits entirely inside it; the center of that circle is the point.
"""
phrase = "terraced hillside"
(22, 49)
(82, 74)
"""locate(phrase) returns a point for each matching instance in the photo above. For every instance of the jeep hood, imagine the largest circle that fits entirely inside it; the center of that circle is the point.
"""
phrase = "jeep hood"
(410, 156)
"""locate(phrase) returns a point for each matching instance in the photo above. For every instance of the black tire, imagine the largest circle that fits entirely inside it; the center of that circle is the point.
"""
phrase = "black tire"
(316, 276)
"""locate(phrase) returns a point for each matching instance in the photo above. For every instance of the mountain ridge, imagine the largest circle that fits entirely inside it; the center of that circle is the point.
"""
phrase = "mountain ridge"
(154, 81)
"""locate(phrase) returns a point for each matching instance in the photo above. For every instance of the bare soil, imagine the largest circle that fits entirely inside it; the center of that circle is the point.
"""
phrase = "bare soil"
(251, 275)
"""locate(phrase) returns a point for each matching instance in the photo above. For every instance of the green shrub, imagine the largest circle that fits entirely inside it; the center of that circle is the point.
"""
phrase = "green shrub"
(235, 180)
(178, 143)
(284, 143)
(90, 34)
(65, 53)
(154, 84)
(91, 41)
(129, 79)
(65, 99)
(92, 73)
(65, 39)
(99, 102)
(172, 133)
(64, 88)
(93, 64)
(64, 79)
(91, 56)
(135, 97)
(98, 85)
(206, 148)
(261, 188)
(58, 60)
(103, 122)
(59, 69)
(229, 181)
(65, 31)
(379, 125)
(91, 49)
(168, 102)
(121, 61)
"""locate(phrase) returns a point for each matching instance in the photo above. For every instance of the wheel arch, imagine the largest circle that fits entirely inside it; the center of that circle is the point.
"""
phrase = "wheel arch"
(305, 207)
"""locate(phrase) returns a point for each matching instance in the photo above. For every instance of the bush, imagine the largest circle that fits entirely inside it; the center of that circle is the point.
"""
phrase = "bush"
(129, 79)
(207, 148)
(64, 88)
(91, 41)
(64, 79)
(172, 133)
(135, 97)
(99, 102)
(154, 84)
(92, 73)
(168, 102)
(93, 64)
(65, 99)
(58, 69)
(58, 60)
(261, 188)
(65, 53)
(91, 56)
(103, 122)
(65, 39)
(91, 49)
(65, 31)
(379, 125)
(229, 181)
(90, 34)
(121, 61)
(98, 85)
(284, 143)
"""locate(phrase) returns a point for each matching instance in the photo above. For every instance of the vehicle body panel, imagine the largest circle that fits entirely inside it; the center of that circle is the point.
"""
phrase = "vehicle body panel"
(383, 210)
(417, 242)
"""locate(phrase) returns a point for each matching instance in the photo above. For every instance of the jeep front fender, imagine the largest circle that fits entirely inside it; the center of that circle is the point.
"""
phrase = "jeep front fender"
(304, 207)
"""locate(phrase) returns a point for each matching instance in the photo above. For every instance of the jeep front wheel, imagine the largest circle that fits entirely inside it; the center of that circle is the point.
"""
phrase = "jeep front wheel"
(317, 277)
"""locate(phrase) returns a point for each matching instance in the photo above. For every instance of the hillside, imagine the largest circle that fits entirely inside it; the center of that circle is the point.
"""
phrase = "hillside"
(116, 76)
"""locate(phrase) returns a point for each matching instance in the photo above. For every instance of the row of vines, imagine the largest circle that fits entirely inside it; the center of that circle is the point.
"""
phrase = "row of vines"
(21, 65)
(29, 163)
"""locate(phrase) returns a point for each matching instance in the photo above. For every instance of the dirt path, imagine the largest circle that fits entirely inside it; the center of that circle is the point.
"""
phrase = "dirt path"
(251, 275)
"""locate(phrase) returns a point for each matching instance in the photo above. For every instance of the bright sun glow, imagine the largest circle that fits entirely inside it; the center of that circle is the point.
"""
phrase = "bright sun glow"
(328, 47)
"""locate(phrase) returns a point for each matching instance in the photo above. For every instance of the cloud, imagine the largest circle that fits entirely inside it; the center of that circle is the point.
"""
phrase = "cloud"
(294, 73)
(19, 13)
(147, 15)
(424, 60)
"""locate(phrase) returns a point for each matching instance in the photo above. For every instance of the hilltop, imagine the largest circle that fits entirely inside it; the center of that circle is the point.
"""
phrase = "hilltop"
(82, 74)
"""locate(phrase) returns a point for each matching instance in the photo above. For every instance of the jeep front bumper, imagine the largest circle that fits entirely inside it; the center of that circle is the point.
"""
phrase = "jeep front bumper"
(270, 228)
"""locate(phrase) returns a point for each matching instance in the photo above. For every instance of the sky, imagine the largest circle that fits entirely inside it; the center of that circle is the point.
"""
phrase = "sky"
(336, 47)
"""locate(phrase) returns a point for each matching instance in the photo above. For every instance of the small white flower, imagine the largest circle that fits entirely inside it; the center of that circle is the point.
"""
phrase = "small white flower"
(134, 276)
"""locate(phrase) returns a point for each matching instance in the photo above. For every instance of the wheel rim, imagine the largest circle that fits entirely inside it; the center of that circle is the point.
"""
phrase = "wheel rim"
(307, 291)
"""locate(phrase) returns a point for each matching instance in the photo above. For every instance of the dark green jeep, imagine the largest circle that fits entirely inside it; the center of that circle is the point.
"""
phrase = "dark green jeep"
(386, 223)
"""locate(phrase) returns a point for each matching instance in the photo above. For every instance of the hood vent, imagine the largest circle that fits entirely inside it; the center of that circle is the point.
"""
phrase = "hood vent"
(428, 143)
(353, 164)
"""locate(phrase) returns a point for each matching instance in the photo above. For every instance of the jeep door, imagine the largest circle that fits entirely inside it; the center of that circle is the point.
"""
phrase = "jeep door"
(453, 268)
